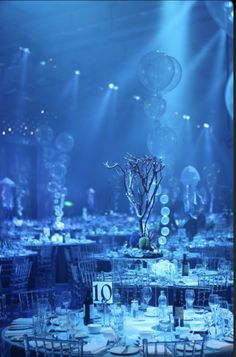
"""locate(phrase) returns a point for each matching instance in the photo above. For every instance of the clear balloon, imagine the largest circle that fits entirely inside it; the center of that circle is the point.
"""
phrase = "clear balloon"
(49, 154)
(44, 135)
(190, 176)
(223, 14)
(229, 100)
(62, 158)
(156, 71)
(177, 76)
(58, 170)
(155, 107)
(64, 142)
(161, 142)
(52, 187)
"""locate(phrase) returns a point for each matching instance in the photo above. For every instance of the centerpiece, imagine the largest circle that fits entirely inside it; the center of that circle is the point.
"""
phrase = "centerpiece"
(141, 177)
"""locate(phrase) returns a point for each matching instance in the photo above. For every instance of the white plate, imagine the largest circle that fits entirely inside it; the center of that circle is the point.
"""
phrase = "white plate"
(129, 351)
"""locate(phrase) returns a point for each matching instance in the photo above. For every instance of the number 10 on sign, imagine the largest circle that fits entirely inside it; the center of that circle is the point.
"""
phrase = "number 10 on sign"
(102, 292)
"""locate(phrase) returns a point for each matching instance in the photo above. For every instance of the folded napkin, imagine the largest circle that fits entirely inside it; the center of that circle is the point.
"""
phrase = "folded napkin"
(23, 321)
(95, 348)
(10, 333)
(219, 345)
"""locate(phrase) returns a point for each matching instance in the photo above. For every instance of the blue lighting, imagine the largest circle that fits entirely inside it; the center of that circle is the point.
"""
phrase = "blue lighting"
(24, 49)
(77, 72)
(136, 97)
(111, 85)
(206, 125)
(43, 63)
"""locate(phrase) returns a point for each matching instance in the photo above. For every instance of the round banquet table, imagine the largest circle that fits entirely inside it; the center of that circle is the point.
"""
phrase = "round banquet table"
(13, 339)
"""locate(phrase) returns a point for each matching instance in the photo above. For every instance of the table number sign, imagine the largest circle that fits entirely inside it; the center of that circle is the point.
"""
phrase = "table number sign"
(102, 292)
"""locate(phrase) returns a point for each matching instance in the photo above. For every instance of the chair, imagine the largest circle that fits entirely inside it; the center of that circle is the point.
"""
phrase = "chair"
(173, 348)
(88, 271)
(28, 298)
(45, 273)
(19, 278)
(41, 346)
(3, 312)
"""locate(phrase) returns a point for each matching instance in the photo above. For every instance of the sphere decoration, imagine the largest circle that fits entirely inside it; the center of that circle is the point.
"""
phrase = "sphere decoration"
(62, 158)
(57, 171)
(64, 142)
(223, 14)
(161, 141)
(156, 71)
(190, 176)
(155, 107)
(53, 187)
(229, 101)
(44, 135)
(164, 199)
(177, 76)
(162, 240)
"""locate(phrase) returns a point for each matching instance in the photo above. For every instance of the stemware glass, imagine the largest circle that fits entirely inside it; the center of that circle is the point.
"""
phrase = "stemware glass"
(66, 299)
(189, 298)
(146, 294)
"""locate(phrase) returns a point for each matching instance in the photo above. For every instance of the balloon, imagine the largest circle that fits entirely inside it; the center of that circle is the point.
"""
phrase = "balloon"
(64, 142)
(57, 170)
(190, 176)
(44, 134)
(177, 76)
(155, 107)
(222, 13)
(229, 95)
(49, 154)
(63, 159)
(52, 187)
(161, 141)
(156, 70)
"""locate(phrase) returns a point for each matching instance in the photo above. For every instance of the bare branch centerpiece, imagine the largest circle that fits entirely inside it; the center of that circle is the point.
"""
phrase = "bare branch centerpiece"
(141, 177)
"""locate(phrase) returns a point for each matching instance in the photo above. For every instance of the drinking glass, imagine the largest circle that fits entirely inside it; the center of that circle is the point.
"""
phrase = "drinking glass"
(66, 299)
(189, 298)
(146, 294)
(213, 302)
(164, 325)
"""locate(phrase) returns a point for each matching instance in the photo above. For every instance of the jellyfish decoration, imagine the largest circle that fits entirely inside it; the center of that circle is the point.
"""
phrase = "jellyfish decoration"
(7, 187)
(91, 200)
(189, 178)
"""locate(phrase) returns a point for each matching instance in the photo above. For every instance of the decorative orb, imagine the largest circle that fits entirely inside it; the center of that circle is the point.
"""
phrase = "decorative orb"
(164, 199)
(165, 211)
(44, 135)
(155, 107)
(229, 99)
(64, 142)
(57, 170)
(156, 70)
(161, 142)
(190, 176)
(52, 187)
(165, 231)
(177, 76)
(165, 220)
(162, 240)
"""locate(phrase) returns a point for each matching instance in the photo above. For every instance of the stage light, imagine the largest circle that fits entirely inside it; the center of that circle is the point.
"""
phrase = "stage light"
(9, 129)
(43, 63)
(111, 85)
(31, 133)
(77, 72)
(26, 127)
(115, 87)
(228, 4)
(42, 111)
(136, 97)
(186, 117)
(206, 125)
(24, 49)
(3, 133)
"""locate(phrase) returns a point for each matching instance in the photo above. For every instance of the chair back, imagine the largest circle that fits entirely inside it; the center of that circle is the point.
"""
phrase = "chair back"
(88, 271)
(29, 298)
(173, 348)
(3, 312)
(53, 347)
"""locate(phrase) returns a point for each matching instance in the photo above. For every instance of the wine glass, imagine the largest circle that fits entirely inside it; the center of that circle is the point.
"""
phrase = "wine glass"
(189, 298)
(213, 302)
(164, 325)
(66, 299)
(146, 294)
